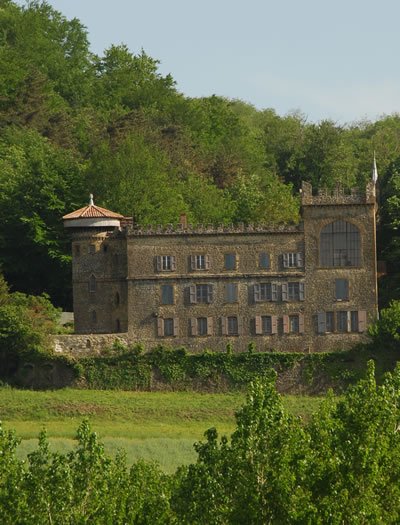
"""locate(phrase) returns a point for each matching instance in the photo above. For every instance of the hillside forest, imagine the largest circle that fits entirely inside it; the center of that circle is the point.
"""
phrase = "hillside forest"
(72, 122)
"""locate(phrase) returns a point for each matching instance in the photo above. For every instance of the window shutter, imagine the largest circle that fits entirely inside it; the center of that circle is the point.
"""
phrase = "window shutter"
(209, 293)
(284, 291)
(235, 292)
(224, 325)
(301, 323)
(285, 260)
(301, 291)
(160, 327)
(321, 322)
(173, 262)
(176, 326)
(349, 321)
(210, 326)
(240, 325)
(362, 320)
(258, 325)
(207, 260)
(274, 292)
(256, 288)
(192, 294)
(274, 324)
(193, 326)
(299, 260)
(285, 324)
(158, 263)
(193, 262)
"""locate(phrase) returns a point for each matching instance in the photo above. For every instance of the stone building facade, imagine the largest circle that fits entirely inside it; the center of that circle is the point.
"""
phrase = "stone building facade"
(310, 287)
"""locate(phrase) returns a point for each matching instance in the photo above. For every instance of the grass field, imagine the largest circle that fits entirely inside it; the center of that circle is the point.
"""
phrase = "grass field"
(159, 426)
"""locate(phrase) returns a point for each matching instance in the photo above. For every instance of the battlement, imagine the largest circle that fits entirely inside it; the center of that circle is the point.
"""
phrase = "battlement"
(337, 196)
(210, 229)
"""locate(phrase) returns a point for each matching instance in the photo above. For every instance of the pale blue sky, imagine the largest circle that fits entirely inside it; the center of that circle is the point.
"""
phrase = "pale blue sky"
(333, 59)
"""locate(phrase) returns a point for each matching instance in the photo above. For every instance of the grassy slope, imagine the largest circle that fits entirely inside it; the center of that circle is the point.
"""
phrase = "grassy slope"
(152, 425)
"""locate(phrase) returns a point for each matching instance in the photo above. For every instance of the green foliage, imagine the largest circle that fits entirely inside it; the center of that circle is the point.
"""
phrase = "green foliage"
(176, 369)
(339, 468)
(84, 485)
(251, 348)
(38, 182)
(263, 200)
(72, 123)
(386, 330)
(26, 321)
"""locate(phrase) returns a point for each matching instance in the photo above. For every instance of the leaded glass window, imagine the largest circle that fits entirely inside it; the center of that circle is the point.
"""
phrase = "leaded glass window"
(340, 245)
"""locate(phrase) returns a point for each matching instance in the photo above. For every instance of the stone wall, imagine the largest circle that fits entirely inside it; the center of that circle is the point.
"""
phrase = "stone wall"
(87, 345)
(129, 282)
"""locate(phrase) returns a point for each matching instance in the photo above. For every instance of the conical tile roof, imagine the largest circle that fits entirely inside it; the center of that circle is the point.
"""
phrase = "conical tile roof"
(92, 211)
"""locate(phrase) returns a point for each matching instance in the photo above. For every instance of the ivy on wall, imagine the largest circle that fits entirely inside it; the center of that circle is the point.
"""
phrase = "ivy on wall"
(176, 369)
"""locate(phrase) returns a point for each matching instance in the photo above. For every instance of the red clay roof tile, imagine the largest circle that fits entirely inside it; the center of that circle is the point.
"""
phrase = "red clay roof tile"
(92, 211)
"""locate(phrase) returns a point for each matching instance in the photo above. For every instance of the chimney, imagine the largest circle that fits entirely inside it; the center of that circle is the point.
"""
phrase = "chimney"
(183, 221)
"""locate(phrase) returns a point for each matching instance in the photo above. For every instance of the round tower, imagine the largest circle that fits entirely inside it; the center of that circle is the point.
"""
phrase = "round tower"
(98, 269)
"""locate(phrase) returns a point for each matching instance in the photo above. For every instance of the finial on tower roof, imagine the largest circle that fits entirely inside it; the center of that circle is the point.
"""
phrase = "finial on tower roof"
(91, 203)
(374, 175)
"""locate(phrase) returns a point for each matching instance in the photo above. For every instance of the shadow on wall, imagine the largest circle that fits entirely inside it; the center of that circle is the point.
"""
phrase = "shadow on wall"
(47, 374)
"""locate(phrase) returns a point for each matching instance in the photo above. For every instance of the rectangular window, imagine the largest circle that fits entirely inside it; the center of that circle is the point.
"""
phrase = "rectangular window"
(325, 322)
(265, 292)
(266, 324)
(330, 326)
(294, 291)
(342, 324)
(232, 326)
(166, 263)
(200, 262)
(264, 260)
(202, 326)
(92, 248)
(293, 324)
(230, 261)
(354, 321)
(203, 293)
(167, 294)
(341, 289)
(168, 327)
(231, 293)
(293, 260)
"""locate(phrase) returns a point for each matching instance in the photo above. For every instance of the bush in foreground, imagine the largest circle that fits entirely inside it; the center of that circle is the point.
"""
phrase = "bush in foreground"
(340, 468)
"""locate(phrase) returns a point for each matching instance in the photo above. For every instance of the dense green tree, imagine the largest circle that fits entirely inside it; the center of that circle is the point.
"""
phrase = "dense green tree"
(39, 183)
(126, 82)
(65, 111)
(136, 180)
(263, 200)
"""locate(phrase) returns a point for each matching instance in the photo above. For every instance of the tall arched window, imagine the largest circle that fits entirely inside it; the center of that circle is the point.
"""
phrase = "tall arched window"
(92, 283)
(340, 245)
